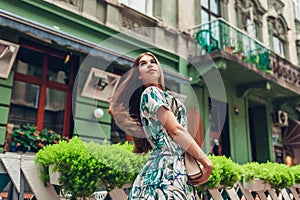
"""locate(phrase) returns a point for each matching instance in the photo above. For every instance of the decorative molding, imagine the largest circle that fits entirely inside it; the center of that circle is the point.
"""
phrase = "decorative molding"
(277, 5)
(130, 24)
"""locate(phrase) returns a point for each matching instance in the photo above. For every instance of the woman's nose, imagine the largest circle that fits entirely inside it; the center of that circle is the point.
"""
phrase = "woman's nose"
(149, 65)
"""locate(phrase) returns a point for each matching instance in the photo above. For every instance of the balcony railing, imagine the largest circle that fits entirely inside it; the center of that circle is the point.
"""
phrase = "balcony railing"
(220, 35)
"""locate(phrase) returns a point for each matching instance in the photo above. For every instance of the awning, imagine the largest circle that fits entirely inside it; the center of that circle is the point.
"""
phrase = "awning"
(291, 134)
(51, 34)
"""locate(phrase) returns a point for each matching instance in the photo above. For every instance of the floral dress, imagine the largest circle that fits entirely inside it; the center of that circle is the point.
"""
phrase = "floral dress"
(164, 175)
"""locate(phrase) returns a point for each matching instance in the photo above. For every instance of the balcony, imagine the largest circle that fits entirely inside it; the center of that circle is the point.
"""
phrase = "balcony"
(220, 40)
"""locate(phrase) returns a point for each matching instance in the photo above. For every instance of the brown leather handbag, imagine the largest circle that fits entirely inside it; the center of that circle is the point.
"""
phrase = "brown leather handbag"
(193, 167)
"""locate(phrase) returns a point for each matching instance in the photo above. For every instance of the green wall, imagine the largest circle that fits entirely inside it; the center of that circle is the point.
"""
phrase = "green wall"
(5, 94)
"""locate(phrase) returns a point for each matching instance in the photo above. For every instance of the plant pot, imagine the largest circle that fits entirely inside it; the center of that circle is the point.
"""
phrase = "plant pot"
(54, 176)
(296, 185)
(100, 195)
(255, 185)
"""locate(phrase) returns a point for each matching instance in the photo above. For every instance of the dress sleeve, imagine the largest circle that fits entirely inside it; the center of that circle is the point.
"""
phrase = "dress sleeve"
(151, 100)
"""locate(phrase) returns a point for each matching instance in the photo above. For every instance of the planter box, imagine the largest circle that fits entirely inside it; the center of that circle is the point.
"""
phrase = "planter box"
(54, 176)
(100, 195)
(255, 185)
(296, 185)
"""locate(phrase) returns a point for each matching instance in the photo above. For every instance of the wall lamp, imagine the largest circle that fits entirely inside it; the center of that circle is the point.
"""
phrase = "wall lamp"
(98, 113)
(236, 109)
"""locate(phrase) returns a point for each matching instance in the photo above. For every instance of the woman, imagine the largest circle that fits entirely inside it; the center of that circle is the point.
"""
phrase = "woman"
(142, 108)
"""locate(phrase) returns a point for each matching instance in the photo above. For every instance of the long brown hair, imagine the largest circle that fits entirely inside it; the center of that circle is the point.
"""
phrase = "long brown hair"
(125, 104)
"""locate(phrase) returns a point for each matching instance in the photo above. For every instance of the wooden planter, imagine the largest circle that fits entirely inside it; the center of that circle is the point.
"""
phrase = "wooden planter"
(255, 185)
(296, 185)
(54, 176)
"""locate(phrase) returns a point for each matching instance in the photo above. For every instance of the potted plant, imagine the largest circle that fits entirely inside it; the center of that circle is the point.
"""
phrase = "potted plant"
(79, 169)
(258, 174)
(29, 139)
(87, 166)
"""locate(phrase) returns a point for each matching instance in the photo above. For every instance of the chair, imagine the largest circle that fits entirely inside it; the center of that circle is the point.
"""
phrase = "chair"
(207, 41)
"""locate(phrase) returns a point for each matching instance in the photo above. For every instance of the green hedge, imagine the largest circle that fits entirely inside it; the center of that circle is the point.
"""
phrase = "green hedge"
(85, 166)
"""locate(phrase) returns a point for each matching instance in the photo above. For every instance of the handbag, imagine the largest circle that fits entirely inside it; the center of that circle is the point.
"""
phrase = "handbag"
(193, 167)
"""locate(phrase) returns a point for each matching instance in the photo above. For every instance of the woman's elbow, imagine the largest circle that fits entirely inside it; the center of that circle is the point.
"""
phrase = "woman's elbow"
(174, 130)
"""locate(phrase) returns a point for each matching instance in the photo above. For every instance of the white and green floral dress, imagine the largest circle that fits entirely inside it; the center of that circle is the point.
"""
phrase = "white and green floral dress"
(164, 174)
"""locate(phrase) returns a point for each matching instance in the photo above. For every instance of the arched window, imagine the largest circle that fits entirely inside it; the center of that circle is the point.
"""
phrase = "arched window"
(249, 17)
(278, 32)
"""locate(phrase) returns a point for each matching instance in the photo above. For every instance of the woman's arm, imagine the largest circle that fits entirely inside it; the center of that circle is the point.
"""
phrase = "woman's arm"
(185, 140)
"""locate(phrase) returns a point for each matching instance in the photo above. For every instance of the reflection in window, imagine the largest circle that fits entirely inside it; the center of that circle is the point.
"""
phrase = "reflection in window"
(58, 71)
(55, 100)
(24, 103)
(278, 46)
(298, 50)
(30, 62)
(25, 94)
(209, 10)
(55, 110)
(297, 9)
(143, 6)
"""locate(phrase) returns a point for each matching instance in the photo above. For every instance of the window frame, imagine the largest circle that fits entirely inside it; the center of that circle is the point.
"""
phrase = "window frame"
(209, 11)
(148, 6)
(297, 5)
(44, 83)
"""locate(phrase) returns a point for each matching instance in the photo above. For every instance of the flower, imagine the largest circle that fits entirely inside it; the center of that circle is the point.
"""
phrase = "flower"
(28, 138)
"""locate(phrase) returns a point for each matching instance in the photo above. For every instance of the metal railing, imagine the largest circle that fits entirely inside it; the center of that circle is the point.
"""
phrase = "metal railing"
(220, 35)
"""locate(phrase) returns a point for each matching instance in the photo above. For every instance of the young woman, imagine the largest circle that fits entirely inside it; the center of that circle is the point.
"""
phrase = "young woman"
(142, 108)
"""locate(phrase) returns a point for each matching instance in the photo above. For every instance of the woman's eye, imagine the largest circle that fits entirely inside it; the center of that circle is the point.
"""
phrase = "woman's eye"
(143, 64)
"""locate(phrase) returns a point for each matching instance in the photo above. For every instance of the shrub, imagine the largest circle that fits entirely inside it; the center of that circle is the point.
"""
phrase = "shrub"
(225, 173)
(28, 138)
(277, 175)
(85, 166)
(296, 172)
(119, 164)
(79, 169)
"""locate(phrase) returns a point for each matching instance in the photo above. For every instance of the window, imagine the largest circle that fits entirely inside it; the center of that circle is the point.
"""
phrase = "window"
(209, 10)
(143, 6)
(298, 50)
(278, 46)
(278, 28)
(297, 9)
(42, 89)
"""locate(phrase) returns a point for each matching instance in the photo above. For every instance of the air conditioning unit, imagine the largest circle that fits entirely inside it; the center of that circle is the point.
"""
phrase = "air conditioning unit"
(281, 119)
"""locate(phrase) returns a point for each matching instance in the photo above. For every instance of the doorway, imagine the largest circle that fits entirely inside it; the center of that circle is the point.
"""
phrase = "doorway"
(258, 126)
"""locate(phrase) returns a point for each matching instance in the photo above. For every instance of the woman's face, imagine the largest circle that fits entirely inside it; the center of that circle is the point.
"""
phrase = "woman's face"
(149, 70)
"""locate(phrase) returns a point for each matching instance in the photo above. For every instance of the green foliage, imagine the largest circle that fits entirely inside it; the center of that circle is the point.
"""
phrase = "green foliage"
(85, 166)
(120, 165)
(296, 171)
(28, 138)
(225, 173)
(80, 170)
(277, 175)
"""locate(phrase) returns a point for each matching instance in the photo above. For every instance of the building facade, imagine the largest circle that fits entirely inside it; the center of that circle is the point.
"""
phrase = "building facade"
(234, 63)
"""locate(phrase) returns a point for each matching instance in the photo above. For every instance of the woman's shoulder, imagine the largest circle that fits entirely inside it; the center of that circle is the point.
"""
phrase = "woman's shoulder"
(156, 92)
(154, 89)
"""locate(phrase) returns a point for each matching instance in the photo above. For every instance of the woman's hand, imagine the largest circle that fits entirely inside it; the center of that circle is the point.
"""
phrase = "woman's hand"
(206, 170)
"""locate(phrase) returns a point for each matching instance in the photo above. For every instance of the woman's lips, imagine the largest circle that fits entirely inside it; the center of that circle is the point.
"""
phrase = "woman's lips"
(151, 70)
